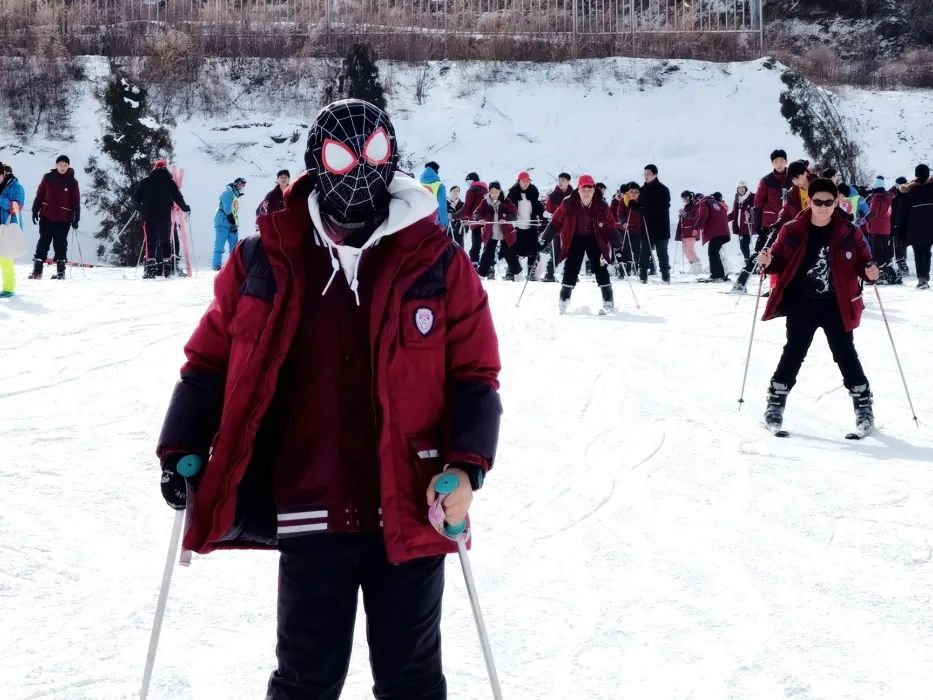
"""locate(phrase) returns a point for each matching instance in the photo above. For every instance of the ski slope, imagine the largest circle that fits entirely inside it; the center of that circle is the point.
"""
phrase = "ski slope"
(639, 538)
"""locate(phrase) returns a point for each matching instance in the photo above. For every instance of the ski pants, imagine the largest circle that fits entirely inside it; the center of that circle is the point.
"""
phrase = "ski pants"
(752, 261)
(644, 258)
(745, 245)
(488, 259)
(158, 238)
(320, 576)
(223, 236)
(476, 242)
(803, 320)
(54, 234)
(690, 249)
(922, 257)
(8, 273)
(881, 249)
(716, 269)
(586, 246)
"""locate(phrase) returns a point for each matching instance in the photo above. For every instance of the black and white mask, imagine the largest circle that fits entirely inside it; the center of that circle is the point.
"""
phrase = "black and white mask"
(352, 148)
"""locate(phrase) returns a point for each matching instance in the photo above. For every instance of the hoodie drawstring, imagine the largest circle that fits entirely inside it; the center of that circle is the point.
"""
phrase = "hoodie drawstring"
(335, 264)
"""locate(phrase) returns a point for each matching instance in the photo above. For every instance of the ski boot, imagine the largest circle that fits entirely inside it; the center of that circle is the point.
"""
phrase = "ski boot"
(738, 288)
(151, 269)
(864, 414)
(60, 266)
(923, 283)
(168, 267)
(564, 302)
(491, 275)
(509, 276)
(608, 303)
(777, 400)
(902, 267)
(36, 273)
(531, 274)
(696, 268)
(6, 294)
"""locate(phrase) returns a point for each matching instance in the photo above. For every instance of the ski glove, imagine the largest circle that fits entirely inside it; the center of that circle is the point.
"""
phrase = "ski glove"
(35, 217)
(74, 224)
(186, 209)
(174, 485)
(232, 220)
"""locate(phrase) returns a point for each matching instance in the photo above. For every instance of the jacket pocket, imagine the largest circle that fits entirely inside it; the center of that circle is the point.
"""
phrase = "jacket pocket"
(425, 449)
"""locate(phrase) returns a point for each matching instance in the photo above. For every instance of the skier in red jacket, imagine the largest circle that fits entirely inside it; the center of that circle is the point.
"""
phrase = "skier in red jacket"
(56, 207)
(818, 260)
(347, 360)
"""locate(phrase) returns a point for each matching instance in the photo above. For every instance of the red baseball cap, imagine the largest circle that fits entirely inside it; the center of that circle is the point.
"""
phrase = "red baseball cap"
(586, 181)
(161, 163)
(523, 175)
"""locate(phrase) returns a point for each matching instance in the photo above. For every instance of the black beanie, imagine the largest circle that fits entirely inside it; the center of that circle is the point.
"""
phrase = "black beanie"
(779, 153)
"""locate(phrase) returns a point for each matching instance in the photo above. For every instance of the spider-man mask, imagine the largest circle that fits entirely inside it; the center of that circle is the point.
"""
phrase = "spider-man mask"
(351, 146)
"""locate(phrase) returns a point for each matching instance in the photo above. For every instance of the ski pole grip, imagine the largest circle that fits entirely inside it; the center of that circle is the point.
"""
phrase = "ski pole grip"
(448, 483)
(190, 465)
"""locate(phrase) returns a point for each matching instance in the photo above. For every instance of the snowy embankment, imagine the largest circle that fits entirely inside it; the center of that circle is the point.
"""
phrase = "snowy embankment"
(705, 125)
(639, 537)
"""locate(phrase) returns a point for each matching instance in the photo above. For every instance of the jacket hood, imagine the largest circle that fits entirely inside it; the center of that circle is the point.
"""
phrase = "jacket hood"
(429, 176)
(409, 203)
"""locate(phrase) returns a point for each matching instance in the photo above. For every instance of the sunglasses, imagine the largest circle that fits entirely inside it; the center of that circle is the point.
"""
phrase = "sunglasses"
(822, 202)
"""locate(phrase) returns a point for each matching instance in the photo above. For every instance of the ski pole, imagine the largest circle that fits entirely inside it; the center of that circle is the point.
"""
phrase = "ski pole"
(748, 357)
(896, 358)
(524, 286)
(460, 534)
(160, 606)
(127, 224)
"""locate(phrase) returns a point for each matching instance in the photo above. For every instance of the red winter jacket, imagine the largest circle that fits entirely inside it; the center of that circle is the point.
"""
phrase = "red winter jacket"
(741, 214)
(474, 195)
(58, 198)
(712, 220)
(686, 223)
(769, 200)
(555, 198)
(507, 212)
(878, 221)
(565, 221)
(848, 253)
(434, 361)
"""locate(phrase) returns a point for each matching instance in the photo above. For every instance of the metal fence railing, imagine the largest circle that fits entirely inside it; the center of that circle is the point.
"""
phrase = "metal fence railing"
(100, 25)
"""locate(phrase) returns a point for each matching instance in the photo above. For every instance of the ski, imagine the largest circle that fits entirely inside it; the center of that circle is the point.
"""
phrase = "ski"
(49, 261)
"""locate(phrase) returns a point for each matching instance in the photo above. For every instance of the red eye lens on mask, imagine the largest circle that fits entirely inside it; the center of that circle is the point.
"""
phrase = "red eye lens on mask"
(337, 158)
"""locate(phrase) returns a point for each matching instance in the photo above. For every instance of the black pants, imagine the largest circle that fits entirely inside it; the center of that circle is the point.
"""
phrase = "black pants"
(582, 246)
(716, 269)
(54, 233)
(803, 320)
(900, 249)
(922, 257)
(881, 249)
(644, 258)
(319, 580)
(158, 238)
(746, 272)
(476, 242)
(488, 258)
(745, 245)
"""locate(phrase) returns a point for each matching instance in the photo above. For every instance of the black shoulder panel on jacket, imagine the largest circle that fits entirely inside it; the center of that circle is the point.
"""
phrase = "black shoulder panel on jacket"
(259, 280)
(433, 282)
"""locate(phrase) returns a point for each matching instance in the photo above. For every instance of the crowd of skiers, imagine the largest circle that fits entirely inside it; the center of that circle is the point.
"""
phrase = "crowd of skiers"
(518, 223)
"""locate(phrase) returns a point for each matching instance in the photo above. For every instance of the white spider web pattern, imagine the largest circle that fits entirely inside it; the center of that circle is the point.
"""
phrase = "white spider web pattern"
(364, 189)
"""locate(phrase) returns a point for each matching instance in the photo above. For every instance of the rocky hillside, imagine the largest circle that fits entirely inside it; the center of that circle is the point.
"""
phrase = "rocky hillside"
(857, 30)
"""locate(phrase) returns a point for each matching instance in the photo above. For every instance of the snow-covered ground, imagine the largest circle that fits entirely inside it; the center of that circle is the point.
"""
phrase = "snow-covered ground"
(639, 538)
(704, 124)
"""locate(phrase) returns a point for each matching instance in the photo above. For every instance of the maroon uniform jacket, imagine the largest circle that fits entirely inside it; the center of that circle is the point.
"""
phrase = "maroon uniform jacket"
(423, 331)
(712, 219)
(58, 198)
(848, 252)
(769, 200)
(566, 220)
(507, 212)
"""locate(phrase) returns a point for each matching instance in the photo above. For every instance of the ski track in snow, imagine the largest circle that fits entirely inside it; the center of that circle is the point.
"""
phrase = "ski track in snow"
(639, 537)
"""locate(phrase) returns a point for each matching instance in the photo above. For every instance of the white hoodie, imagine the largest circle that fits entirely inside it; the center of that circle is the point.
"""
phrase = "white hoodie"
(410, 203)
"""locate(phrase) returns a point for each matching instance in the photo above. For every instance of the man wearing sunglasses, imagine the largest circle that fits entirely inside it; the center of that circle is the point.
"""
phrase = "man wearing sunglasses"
(819, 260)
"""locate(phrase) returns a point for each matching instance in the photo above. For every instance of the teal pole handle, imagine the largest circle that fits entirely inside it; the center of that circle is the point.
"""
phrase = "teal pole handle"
(190, 465)
(448, 483)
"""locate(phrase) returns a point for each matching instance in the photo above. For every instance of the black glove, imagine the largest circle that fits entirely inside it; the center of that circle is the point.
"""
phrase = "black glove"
(174, 485)
(74, 224)
(235, 230)
(617, 256)
(35, 217)
(546, 237)
(186, 209)
(232, 220)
